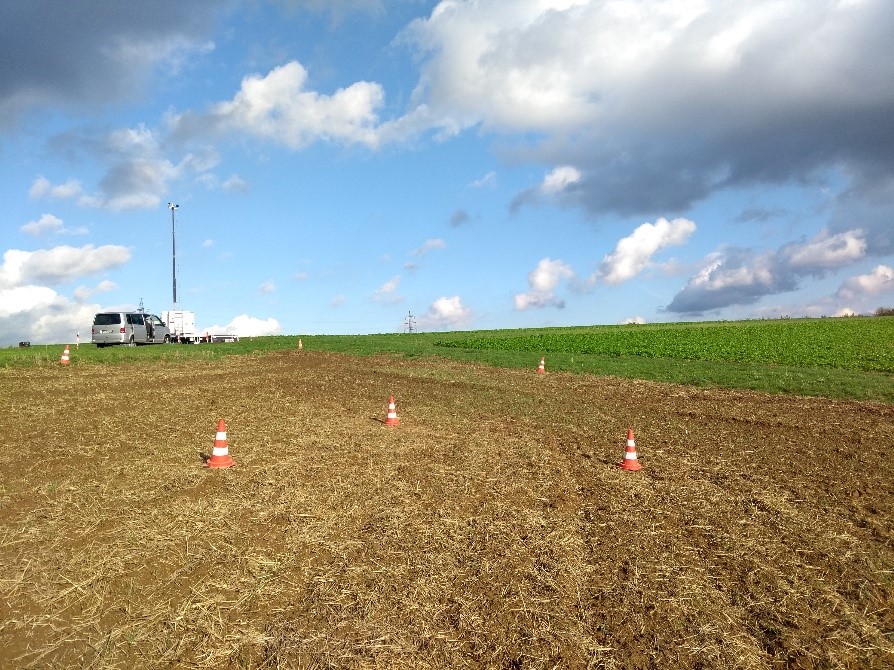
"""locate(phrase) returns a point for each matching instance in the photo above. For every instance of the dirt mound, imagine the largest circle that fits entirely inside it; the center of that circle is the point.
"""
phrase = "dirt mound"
(492, 528)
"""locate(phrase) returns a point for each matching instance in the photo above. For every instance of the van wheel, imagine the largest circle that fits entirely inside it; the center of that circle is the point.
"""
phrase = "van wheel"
(167, 339)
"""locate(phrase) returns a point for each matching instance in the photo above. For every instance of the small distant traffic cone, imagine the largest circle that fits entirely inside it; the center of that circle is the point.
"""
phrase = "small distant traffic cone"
(542, 367)
(630, 461)
(65, 356)
(220, 455)
(392, 419)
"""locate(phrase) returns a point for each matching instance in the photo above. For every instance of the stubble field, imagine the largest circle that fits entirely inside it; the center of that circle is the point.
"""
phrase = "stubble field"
(491, 529)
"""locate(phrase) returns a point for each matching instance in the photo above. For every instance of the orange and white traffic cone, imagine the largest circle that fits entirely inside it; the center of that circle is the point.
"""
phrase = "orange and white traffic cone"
(391, 419)
(630, 461)
(542, 367)
(65, 356)
(220, 455)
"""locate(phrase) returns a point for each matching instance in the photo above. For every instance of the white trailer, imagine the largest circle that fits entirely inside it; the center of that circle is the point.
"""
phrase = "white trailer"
(182, 325)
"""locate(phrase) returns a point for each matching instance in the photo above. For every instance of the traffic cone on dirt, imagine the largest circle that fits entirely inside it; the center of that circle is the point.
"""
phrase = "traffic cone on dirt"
(630, 461)
(65, 356)
(391, 419)
(220, 455)
(542, 367)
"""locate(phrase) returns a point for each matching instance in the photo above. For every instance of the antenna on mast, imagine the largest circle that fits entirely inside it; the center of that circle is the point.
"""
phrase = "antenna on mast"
(173, 206)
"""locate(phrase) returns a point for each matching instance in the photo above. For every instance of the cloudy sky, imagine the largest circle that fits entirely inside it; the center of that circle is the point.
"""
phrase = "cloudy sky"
(341, 164)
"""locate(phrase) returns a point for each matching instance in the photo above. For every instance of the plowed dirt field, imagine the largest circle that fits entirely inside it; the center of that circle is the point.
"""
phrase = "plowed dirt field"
(491, 529)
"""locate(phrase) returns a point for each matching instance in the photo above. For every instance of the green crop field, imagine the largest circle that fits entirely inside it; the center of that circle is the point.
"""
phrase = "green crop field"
(850, 358)
(861, 344)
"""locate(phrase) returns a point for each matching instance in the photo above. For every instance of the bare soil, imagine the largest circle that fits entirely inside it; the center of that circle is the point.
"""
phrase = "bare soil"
(492, 529)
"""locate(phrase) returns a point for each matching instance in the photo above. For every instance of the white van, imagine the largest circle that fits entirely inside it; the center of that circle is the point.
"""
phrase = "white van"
(128, 328)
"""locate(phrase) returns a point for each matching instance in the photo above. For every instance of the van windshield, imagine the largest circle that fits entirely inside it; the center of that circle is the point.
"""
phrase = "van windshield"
(106, 319)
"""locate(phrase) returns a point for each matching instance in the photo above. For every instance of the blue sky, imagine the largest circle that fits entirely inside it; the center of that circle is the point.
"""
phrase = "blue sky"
(341, 164)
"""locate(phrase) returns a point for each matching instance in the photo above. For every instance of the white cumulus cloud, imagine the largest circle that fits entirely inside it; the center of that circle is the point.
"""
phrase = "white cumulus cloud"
(634, 253)
(247, 326)
(42, 187)
(445, 312)
(543, 281)
(427, 246)
(60, 264)
(137, 171)
(236, 184)
(40, 315)
(828, 251)
(278, 107)
(82, 293)
(555, 186)
(25, 298)
(31, 310)
(559, 179)
(879, 281)
(64, 263)
(489, 179)
(661, 104)
(387, 292)
(45, 224)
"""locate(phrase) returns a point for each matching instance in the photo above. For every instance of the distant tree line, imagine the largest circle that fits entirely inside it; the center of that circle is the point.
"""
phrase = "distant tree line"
(884, 311)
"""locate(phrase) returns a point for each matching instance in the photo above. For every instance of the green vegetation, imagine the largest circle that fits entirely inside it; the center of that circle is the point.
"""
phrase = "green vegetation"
(851, 344)
(850, 358)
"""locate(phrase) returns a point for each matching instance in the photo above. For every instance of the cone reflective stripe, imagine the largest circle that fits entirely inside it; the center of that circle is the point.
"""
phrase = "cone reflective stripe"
(542, 367)
(65, 356)
(630, 461)
(391, 419)
(220, 454)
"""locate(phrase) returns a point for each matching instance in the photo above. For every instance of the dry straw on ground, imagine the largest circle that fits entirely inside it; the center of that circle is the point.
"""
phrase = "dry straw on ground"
(492, 529)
